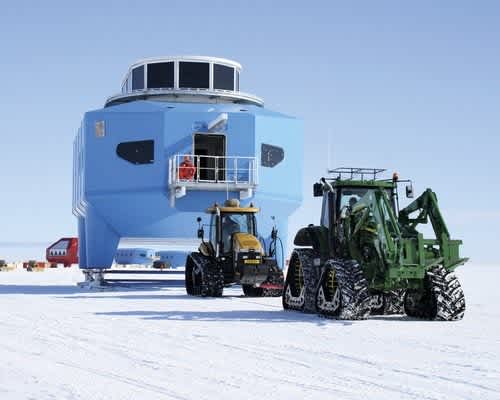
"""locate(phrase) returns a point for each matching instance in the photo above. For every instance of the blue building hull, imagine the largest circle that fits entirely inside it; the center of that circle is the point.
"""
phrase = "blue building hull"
(117, 198)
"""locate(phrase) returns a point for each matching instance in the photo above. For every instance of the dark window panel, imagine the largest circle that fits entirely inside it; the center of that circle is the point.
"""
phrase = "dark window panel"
(140, 152)
(270, 155)
(161, 75)
(223, 77)
(194, 75)
(138, 78)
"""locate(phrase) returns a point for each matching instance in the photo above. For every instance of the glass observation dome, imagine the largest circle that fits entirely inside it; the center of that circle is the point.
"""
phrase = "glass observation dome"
(185, 79)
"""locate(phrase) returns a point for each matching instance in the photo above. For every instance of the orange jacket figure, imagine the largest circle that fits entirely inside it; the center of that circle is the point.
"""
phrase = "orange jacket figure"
(187, 169)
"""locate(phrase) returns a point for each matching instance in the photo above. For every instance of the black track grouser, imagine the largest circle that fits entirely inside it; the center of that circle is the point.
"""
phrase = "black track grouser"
(233, 254)
(366, 256)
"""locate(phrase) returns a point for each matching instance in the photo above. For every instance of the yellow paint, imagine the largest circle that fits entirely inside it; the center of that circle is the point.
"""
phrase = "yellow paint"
(246, 241)
(251, 261)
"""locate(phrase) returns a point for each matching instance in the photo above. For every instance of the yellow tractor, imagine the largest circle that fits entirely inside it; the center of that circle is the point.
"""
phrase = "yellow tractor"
(233, 255)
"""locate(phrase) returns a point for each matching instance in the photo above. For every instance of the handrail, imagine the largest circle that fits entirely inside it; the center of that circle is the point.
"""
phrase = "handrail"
(239, 170)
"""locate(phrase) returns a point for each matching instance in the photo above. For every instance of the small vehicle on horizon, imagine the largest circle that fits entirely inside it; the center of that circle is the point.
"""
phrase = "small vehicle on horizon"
(64, 251)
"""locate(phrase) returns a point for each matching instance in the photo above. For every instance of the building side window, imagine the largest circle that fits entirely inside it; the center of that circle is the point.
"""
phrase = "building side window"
(138, 78)
(139, 152)
(270, 155)
(100, 129)
(161, 75)
(194, 75)
(223, 77)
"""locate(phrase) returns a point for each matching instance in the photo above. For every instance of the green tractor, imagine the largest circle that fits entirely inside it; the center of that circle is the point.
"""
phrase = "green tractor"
(233, 255)
(368, 257)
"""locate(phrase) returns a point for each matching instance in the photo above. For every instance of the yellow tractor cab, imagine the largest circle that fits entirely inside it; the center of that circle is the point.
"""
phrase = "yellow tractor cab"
(233, 255)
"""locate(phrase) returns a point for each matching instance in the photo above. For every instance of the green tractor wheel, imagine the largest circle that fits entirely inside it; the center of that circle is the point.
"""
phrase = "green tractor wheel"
(441, 299)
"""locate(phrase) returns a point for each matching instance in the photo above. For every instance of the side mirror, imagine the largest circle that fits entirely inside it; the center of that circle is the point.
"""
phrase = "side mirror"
(318, 190)
(409, 191)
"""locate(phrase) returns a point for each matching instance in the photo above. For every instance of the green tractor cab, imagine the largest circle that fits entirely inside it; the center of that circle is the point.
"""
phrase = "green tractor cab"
(233, 255)
(368, 256)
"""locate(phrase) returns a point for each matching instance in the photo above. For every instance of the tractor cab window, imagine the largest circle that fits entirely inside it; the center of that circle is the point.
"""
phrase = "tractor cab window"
(327, 209)
(378, 202)
(213, 231)
(234, 223)
(325, 213)
(350, 196)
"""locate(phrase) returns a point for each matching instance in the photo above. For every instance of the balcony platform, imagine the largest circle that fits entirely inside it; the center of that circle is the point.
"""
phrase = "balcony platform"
(213, 173)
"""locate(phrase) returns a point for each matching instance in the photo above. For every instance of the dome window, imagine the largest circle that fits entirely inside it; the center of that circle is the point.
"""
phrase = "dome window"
(138, 78)
(161, 75)
(223, 77)
(194, 75)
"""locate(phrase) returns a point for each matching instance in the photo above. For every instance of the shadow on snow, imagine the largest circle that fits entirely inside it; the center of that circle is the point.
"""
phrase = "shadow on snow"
(226, 315)
(71, 289)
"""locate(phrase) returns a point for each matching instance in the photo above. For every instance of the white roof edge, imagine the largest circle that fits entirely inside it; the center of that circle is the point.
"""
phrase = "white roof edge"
(188, 58)
(247, 97)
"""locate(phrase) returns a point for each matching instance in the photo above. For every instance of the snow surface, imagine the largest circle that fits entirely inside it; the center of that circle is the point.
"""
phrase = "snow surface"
(61, 342)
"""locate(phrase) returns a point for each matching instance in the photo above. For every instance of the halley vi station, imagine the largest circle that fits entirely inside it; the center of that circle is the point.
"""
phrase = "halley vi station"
(180, 137)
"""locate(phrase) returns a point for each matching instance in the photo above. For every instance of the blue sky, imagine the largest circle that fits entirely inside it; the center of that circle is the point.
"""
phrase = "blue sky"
(412, 87)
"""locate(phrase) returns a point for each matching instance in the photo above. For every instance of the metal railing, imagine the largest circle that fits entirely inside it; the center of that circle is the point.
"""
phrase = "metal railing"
(199, 169)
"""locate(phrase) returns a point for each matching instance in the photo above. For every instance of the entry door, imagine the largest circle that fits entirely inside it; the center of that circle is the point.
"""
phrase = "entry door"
(210, 146)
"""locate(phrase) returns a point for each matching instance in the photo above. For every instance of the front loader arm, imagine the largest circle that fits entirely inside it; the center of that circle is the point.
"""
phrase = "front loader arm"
(427, 206)
(428, 210)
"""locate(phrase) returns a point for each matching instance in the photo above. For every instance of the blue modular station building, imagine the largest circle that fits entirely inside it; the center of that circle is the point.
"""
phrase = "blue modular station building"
(172, 258)
(136, 255)
(129, 179)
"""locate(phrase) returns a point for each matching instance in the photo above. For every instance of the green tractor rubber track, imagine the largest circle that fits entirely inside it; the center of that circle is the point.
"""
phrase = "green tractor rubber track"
(343, 291)
(299, 292)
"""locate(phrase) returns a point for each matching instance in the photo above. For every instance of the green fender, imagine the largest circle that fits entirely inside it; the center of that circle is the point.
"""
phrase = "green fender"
(313, 236)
